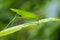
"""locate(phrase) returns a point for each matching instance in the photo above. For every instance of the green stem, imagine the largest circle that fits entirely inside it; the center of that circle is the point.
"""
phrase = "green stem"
(11, 21)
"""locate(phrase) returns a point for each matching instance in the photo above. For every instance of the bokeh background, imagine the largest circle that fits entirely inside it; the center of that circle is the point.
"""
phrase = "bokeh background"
(42, 8)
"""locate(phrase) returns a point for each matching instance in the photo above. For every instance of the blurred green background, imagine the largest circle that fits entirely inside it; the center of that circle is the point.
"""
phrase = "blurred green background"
(42, 8)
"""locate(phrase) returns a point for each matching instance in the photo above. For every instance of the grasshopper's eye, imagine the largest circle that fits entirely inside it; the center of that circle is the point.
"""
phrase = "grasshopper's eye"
(20, 15)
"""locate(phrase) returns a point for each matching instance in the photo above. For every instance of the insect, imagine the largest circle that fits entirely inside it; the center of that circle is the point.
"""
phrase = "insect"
(23, 14)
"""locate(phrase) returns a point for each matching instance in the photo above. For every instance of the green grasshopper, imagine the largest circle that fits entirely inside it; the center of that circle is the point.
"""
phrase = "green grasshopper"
(24, 14)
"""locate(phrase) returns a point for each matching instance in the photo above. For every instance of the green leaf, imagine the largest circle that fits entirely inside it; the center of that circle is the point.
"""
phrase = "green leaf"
(19, 27)
(25, 14)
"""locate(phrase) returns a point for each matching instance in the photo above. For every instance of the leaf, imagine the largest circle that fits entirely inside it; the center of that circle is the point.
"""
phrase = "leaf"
(19, 27)
(25, 14)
